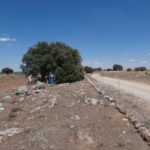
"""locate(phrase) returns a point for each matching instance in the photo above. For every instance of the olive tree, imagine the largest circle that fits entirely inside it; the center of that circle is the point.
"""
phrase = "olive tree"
(56, 57)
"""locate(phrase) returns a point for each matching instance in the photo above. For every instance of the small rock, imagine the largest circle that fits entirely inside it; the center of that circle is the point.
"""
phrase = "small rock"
(76, 117)
(91, 101)
(111, 99)
(138, 125)
(6, 98)
(39, 85)
(85, 136)
(22, 90)
(121, 108)
(1, 107)
(124, 132)
(72, 126)
(125, 119)
(22, 99)
(10, 132)
(146, 134)
(112, 104)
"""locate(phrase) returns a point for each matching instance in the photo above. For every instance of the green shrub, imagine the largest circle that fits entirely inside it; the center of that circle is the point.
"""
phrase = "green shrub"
(140, 69)
(7, 70)
(129, 69)
(117, 67)
(88, 69)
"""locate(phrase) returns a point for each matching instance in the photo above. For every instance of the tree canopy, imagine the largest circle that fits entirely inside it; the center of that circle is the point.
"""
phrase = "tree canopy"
(7, 70)
(56, 57)
(117, 67)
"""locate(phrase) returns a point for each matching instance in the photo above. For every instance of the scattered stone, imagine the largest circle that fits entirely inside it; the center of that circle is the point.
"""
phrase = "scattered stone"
(9, 132)
(145, 134)
(6, 98)
(111, 99)
(121, 108)
(38, 108)
(22, 90)
(37, 91)
(22, 99)
(125, 119)
(1, 107)
(72, 126)
(91, 101)
(39, 85)
(76, 117)
(112, 104)
(138, 125)
(124, 132)
(85, 136)
(53, 102)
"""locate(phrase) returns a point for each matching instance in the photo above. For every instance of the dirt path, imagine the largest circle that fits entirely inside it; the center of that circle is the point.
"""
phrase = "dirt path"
(137, 89)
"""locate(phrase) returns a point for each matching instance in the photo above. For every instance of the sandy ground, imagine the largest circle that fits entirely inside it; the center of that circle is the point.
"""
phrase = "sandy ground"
(65, 117)
(137, 89)
(138, 76)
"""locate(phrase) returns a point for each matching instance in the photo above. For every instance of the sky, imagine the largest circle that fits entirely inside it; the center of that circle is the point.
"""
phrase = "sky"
(105, 32)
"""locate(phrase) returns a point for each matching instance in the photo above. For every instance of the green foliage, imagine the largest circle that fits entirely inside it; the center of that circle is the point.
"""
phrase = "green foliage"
(140, 69)
(109, 69)
(129, 69)
(117, 67)
(97, 69)
(7, 70)
(88, 69)
(59, 58)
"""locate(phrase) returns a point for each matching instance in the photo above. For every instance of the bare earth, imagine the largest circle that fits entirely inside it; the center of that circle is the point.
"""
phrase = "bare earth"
(8, 82)
(65, 117)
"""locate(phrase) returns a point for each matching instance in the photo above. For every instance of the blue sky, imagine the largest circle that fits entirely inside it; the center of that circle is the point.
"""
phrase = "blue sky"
(104, 31)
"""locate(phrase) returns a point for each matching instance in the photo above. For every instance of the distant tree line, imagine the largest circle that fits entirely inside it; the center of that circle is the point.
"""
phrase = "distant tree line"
(116, 67)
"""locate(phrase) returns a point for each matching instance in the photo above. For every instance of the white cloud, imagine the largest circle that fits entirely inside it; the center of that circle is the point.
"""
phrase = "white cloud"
(5, 39)
(143, 62)
(131, 60)
(92, 63)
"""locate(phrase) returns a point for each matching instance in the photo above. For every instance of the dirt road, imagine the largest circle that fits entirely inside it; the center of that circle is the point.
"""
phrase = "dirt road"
(137, 89)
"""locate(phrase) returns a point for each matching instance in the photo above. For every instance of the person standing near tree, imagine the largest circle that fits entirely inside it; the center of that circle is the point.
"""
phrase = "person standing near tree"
(30, 79)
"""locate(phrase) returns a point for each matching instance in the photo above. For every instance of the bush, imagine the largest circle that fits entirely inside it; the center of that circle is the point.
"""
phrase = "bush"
(88, 69)
(97, 69)
(58, 58)
(129, 69)
(117, 67)
(7, 70)
(140, 69)
(109, 69)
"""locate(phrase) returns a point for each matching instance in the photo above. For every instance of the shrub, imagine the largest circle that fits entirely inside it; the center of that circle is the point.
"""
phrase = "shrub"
(58, 58)
(88, 69)
(140, 69)
(117, 67)
(129, 69)
(109, 69)
(97, 69)
(7, 70)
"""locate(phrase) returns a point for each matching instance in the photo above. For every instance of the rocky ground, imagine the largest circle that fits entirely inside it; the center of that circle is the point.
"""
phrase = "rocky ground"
(64, 117)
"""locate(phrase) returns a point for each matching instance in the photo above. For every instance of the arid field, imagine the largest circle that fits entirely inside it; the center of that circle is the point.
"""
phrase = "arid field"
(62, 117)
